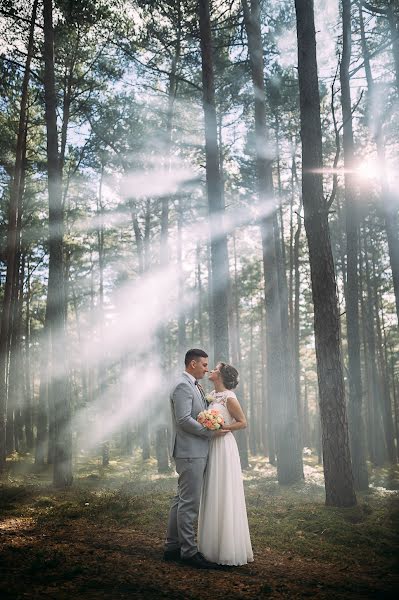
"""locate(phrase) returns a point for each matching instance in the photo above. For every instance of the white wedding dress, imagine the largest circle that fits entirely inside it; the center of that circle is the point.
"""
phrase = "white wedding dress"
(223, 533)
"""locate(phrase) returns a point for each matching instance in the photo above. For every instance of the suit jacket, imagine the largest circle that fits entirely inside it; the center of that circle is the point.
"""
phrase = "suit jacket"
(189, 438)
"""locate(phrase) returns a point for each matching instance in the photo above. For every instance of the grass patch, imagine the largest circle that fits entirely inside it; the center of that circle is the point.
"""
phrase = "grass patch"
(291, 520)
(294, 524)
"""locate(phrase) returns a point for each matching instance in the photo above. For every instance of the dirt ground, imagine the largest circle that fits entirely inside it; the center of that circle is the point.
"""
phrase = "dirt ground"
(84, 560)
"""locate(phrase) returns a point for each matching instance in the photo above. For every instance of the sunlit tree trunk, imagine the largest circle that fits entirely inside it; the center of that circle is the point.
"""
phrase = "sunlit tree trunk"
(264, 442)
(393, 22)
(241, 434)
(383, 375)
(181, 318)
(59, 394)
(378, 450)
(42, 411)
(390, 211)
(145, 425)
(105, 443)
(306, 427)
(161, 436)
(252, 397)
(27, 366)
(219, 253)
(366, 359)
(12, 241)
(14, 438)
(199, 283)
(280, 372)
(296, 317)
(356, 426)
(336, 454)
(394, 379)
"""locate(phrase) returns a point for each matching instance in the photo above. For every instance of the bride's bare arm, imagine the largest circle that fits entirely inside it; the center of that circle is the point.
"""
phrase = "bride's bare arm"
(234, 408)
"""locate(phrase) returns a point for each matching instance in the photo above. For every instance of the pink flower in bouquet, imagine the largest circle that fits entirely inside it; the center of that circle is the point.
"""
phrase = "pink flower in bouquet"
(211, 419)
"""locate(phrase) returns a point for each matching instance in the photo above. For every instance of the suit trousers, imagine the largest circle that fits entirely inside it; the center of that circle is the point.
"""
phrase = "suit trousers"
(185, 506)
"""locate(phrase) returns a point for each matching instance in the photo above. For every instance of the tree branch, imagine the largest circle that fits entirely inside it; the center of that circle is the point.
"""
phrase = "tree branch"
(157, 69)
(374, 9)
(16, 63)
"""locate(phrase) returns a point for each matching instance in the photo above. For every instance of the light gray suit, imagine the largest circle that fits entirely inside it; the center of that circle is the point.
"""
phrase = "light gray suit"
(190, 446)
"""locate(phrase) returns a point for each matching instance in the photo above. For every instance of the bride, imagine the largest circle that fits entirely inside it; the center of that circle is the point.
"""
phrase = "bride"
(223, 533)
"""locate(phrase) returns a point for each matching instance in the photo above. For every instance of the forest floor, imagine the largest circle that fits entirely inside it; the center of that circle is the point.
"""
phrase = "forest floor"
(103, 538)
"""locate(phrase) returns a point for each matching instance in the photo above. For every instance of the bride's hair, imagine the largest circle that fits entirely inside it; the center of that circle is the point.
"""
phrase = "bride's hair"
(229, 375)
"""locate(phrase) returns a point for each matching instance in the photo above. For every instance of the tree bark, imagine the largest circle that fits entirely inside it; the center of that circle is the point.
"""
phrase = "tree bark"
(219, 253)
(336, 454)
(12, 242)
(58, 392)
(378, 449)
(280, 388)
(388, 205)
(27, 368)
(356, 426)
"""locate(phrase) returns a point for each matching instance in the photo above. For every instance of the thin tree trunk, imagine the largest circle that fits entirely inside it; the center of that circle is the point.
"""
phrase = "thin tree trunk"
(105, 443)
(161, 445)
(367, 367)
(389, 209)
(296, 321)
(199, 289)
(181, 318)
(28, 417)
(252, 402)
(393, 22)
(241, 434)
(11, 241)
(377, 432)
(385, 398)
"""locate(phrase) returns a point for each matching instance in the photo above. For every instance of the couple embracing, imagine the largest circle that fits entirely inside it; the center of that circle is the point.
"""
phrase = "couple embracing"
(210, 485)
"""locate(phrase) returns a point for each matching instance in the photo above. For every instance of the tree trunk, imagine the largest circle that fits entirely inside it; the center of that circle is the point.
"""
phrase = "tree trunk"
(367, 366)
(280, 390)
(27, 369)
(388, 205)
(393, 22)
(356, 425)
(199, 291)
(252, 401)
(241, 434)
(385, 399)
(181, 318)
(296, 321)
(336, 455)
(58, 392)
(378, 450)
(12, 240)
(219, 253)
(105, 442)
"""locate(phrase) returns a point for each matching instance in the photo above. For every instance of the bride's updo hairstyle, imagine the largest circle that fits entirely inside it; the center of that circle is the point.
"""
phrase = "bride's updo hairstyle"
(229, 376)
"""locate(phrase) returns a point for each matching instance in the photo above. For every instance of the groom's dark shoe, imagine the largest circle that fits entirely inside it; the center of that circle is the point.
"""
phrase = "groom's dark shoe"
(199, 562)
(172, 555)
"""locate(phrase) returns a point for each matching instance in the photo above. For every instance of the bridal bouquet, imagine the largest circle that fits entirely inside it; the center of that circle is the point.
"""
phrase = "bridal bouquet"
(211, 419)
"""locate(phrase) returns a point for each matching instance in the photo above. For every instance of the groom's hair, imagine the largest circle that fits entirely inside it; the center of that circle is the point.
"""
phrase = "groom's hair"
(194, 354)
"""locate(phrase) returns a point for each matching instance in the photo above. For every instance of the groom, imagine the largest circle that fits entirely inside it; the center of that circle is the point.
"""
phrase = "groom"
(190, 445)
